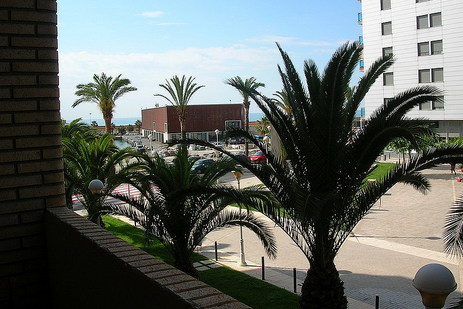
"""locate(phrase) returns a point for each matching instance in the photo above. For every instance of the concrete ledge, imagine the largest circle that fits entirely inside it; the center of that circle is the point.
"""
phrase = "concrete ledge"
(91, 268)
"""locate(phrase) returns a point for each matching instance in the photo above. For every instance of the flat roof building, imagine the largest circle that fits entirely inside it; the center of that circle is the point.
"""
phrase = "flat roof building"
(425, 38)
(201, 121)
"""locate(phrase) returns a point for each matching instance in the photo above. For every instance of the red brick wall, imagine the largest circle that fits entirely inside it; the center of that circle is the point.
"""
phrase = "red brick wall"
(200, 118)
(31, 177)
(158, 115)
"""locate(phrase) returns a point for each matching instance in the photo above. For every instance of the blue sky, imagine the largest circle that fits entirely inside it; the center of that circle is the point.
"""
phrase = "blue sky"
(149, 41)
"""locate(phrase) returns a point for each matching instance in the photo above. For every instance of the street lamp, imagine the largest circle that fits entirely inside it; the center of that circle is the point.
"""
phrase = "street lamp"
(434, 282)
(217, 136)
(95, 186)
(149, 136)
(238, 175)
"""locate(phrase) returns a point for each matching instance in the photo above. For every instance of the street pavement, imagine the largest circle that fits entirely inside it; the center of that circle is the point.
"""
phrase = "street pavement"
(401, 233)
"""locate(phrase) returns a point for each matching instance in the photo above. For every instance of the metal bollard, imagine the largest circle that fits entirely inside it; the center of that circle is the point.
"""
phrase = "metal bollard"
(294, 280)
(216, 255)
(263, 269)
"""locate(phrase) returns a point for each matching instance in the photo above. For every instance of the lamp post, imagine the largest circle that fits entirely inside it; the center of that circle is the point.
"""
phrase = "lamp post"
(238, 175)
(149, 136)
(217, 136)
(266, 139)
(90, 118)
(434, 282)
(95, 186)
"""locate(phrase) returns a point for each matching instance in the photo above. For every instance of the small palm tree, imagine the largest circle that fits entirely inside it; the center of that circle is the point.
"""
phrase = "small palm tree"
(104, 91)
(180, 208)
(180, 92)
(249, 83)
(95, 158)
(321, 182)
(138, 125)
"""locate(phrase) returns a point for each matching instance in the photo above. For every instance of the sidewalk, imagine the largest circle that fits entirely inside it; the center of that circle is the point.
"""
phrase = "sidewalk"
(399, 235)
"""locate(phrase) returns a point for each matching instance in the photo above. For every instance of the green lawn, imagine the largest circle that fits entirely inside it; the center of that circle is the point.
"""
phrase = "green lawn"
(380, 170)
(249, 290)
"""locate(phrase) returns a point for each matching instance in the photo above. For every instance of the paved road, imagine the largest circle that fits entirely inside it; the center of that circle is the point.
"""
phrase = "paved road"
(398, 236)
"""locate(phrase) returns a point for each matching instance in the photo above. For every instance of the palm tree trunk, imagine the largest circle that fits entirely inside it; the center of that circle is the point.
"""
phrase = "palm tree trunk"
(323, 288)
(246, 125)
(182, 128)
(107, 122)
(183, 263)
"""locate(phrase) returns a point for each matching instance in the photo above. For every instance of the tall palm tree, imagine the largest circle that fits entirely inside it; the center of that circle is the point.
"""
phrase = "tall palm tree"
(104, 91)
(95, 158)
(180, 208)
(180, 92)
(283, 101)
(249, 83)
(321, 183)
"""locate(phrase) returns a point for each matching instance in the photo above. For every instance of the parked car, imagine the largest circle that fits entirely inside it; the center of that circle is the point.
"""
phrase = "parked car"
(258, 158)
(242, 156)
(140, 148)
(200, 166)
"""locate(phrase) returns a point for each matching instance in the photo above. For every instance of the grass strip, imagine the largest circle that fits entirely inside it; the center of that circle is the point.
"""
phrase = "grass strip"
(247, 289)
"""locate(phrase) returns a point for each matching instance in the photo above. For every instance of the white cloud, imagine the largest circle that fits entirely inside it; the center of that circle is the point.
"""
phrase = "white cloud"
(210, 66)
(152, 14)
(289, 40)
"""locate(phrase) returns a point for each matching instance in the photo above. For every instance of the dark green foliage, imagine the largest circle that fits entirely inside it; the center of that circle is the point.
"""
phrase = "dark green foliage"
(320, 182)
(180, 208)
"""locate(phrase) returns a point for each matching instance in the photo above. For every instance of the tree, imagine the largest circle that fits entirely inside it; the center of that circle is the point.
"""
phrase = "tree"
(180, 208)
(94, 123)
(104, 91)
(249, 83)
(95, 158)
(321, 183)
(138, 125)
(180, 92)
(263, 126)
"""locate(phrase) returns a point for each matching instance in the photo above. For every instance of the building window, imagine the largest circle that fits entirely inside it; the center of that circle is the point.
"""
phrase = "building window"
(437, 75)
(438, 103)
(154, 126)
(231, 124)
(388, 79)
(435, 20)
(424, 76)
(426, 21)
(423, 49)
(387, 51)
(426, 106)
(386, 28)
(385, 5)
(436, 47)
(165, 127)
(422, 22)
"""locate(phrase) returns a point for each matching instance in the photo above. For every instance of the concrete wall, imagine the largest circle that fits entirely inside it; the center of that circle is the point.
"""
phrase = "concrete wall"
(31, 177)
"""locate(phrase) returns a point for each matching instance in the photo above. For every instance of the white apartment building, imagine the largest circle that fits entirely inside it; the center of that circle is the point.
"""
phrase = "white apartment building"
(426, 39)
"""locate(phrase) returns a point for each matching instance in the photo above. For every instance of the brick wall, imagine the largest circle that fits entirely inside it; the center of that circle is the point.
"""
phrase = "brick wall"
(31, 177)
(91, 268)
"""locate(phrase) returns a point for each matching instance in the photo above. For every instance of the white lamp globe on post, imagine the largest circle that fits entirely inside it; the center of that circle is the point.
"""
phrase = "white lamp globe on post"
(238, 176)
(434, 282)
(95, 186)
(217, 136)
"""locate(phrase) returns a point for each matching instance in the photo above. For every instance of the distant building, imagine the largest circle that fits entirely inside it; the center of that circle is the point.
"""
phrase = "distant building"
(202, 121)
(425, 38)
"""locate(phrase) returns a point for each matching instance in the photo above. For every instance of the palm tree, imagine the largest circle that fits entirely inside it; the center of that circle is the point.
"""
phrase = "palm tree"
(180, 208)
(180, 92)
(282, 102)
(249, 83)
(94, 158)
(138, 125)
(104, 91)
(321, 183)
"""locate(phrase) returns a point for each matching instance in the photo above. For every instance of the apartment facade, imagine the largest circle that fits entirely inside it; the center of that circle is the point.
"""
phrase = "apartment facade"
(426, 40)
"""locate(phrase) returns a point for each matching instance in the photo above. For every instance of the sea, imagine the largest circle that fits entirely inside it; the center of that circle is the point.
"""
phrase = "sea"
(131, 120)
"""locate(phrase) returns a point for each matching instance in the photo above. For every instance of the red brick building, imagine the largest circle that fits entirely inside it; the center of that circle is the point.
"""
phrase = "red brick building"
(202, 121)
